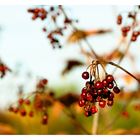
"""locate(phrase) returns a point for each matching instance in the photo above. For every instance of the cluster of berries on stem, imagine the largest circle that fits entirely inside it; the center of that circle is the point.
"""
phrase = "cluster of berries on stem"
(97, 90)
(34, 103)
(53, 15)
(130, 24)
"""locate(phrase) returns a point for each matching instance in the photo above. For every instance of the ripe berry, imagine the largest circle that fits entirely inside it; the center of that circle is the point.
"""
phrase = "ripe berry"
(102, 103)
(31, 113)
(99, 92)
(94, 109)
(44, 81)
(44, 119)
(98, 85)
(84, 95)
(116, 89)
(81, 102)
(27, 102)
(110, 102)
(87, 113)
(105, 83)
(105, 90)
(85, 75)
(20, 101)
(22, 112)
(111, 96)
(84, 90)
(87, 108)
(109, 78)
(110, 85)
(15, 110)
(89, 97)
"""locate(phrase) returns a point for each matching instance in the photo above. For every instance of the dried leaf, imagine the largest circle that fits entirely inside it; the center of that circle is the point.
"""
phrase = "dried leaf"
(71, 64)
(68, 99)
(82, 34)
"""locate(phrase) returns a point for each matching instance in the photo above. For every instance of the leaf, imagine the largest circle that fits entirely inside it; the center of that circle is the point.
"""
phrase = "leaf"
(69, 99)
(70, 65)
(78, 35)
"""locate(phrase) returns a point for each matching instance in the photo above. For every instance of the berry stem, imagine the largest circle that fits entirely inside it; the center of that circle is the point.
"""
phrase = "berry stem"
(116, 65)
(95, 121)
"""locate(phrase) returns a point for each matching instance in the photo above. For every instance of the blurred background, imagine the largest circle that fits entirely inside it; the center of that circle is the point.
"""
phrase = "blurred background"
(26, 50)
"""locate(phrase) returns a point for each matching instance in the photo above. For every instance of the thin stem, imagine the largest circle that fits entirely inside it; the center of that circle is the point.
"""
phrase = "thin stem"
(95, 121)
(116, 65)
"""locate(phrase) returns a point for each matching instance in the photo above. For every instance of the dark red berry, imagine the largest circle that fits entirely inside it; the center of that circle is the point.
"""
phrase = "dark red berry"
(89, 97)
(98, 85)
(94, 109)
(116, 89)
(27, 102)
(84, 90)
(110, 85)
(102, 103)
(15, 110)
(87, 108)
(105, 90)
(44, 119)
(81, 102)
(20, 101)
(110, 102)
(105, 83)
(99, 92)
(109, 78)
(85, 75)
(44, 81)
(22, 112)
(111, 96)
(83, 95)
(87, 113)
(31, 113)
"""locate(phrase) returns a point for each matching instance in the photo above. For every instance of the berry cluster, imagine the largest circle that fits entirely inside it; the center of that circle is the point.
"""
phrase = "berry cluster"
(97, 90)
(38, 13)
(131, 25)
(39, 103)
(53, 15)
(3, 69)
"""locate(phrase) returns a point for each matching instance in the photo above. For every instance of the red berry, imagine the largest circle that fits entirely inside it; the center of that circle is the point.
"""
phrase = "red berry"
(89, 97)
(105, 90)
(23, 112)
(44, 119)
(111, 96)
(94, 109)
(44, 81)
(83, 95)
(81, 102)
(20, 101)
(87, 113)
(102, 103)
(84, 90)
(98, 85)
(116, 89)
(110, 102)
(105, 83)
(87, 108)
(110, 85)
(109, 78)
(85, 75)
(15, 110)
(27, 102)
(99, 92)
(31, 113)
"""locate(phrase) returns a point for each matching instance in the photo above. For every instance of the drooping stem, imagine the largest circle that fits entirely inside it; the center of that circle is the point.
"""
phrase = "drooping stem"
(116, 65)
